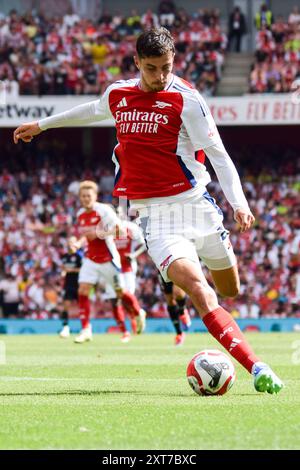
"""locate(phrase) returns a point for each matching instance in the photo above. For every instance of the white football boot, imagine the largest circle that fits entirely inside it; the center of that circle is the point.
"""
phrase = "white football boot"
(126, 337)
(65, 332)
(84, 335)
(141, 321)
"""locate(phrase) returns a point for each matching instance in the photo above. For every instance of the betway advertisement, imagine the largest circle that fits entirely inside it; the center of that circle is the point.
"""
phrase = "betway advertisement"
(227, 111)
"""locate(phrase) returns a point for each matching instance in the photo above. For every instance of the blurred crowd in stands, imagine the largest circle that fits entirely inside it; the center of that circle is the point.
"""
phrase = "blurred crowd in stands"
(277, 63)
(74, 55)
(39, 200)
(69, 54)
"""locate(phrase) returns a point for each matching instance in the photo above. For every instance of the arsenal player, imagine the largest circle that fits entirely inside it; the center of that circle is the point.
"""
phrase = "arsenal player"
(97, 225)
(165, 130)
(130, 244)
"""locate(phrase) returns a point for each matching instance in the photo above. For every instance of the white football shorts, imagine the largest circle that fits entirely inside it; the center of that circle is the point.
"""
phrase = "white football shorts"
(128, 282)
(192, 229)
(92, 273)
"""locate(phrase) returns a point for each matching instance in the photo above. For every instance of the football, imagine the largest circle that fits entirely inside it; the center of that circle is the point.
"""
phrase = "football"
(210, 372)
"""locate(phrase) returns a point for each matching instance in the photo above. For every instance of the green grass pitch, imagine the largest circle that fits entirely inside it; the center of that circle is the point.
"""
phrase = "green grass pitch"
(55, 394)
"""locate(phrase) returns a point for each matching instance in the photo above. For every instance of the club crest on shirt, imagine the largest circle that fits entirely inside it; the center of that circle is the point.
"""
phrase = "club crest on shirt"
(161, 105)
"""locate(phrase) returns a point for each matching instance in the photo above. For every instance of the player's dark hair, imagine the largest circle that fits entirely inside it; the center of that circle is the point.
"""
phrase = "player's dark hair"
(154, 42)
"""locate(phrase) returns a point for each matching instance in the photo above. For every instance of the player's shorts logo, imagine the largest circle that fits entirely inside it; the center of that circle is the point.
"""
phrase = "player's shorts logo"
(161, 105)
(165, 263)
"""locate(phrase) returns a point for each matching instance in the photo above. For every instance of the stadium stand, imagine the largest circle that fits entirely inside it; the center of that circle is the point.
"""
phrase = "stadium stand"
(38, 203)
(277, 56)
(71, 55)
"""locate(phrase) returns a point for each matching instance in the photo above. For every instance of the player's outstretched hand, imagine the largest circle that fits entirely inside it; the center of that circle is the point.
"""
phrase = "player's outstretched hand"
(26, 132)
(244, 218)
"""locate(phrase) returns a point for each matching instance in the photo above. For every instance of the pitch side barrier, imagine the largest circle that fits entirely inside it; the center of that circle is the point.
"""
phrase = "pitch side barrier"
(25, 327)
(247, 110)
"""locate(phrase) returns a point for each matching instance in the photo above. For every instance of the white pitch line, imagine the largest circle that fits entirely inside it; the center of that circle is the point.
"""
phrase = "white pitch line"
(54, 379)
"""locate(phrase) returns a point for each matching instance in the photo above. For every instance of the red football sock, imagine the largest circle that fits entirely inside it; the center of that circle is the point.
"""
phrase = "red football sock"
(131, 303)
(119, 316)
(223, 327)
(84, 310)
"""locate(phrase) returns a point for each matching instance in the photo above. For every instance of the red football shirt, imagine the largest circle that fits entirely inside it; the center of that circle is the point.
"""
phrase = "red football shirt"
(160, 135)
(98, 250)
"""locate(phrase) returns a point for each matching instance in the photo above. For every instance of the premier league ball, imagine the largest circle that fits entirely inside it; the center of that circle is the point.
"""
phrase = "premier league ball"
(210, 372)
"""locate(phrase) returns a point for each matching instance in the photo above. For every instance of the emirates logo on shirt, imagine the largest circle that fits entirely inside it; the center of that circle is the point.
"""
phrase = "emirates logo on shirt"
(139, 121)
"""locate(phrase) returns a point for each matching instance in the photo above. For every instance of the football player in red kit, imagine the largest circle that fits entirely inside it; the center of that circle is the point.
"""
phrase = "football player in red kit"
(165, 130)
(130, 244)
(97, 224)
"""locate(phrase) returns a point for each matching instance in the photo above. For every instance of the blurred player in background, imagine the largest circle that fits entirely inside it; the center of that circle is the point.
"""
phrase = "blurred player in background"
(97, 224)
(165, 130)
(179, 315)
(71, 263)
(130, 244)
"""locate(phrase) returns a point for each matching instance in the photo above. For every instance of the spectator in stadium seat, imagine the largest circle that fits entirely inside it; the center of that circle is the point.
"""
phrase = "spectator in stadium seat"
(134, 20)
(294, 17)
(279, 29)
(149, 20)
(166, 12)
(236, 28)
(273, 78)
(181, 20)
(264, 17)
(99, 50)
(90, 85)
(9, 288)
(24, 185)
(105, 18)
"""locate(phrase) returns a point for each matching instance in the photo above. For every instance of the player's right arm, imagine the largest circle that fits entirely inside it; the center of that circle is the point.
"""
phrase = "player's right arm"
(83, 114)
(79, 243)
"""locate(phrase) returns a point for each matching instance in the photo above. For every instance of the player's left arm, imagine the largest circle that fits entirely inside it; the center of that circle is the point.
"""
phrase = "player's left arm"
(109, 223)
(231, 184)
(140, 249)
(204, 135)
(137, 236)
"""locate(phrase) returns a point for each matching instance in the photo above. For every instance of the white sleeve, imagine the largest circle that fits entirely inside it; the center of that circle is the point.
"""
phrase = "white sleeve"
(136, 234)
(109, 218)
(87, 113)
(227, 175)
(198, 121)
